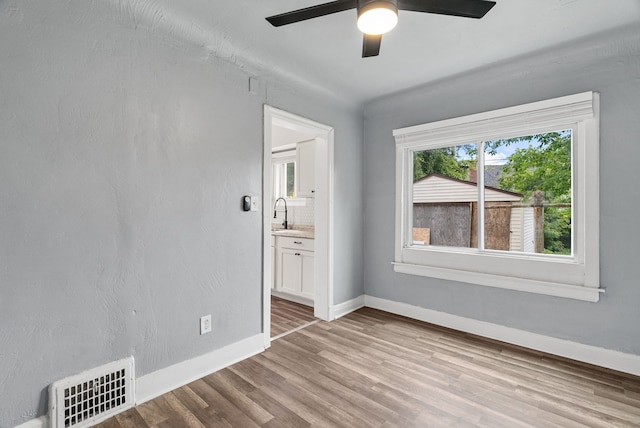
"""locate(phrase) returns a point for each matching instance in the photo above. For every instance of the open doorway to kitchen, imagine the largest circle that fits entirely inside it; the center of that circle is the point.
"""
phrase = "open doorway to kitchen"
(298, 183)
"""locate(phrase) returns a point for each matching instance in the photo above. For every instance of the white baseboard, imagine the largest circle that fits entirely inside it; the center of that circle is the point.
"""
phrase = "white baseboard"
(627, 363)
(292, 297)
(157, 383)
(347, 307)
(41, 422)
(164, 380)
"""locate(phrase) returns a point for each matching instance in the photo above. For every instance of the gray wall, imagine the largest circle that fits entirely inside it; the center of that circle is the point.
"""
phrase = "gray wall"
(609, 64)
(124, 153)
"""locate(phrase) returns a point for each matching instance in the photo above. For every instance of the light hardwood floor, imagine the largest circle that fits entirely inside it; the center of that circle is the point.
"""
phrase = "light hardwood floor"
(374, 369)
(287, 316)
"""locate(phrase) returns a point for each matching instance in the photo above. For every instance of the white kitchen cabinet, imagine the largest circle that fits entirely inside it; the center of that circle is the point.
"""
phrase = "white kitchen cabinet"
(295, 243)
(306, 169)
(294, 269)
(307, 275)
(297, 272)
(273, 258)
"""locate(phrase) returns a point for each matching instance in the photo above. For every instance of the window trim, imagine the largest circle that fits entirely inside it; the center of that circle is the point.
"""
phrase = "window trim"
(576, 276)
(278, 164)
(278, 159)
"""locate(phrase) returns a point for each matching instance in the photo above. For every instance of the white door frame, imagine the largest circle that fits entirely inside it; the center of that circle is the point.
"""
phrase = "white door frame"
(323, 299)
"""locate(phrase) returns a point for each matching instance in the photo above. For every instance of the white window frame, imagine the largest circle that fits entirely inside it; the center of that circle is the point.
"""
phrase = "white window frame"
(576, 276)
(279, 163)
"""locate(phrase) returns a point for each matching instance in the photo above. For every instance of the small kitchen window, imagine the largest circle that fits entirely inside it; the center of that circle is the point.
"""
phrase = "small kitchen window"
(506, 198)
(284, 177)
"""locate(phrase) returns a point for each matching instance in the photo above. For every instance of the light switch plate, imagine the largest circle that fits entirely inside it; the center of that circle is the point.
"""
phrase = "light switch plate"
(254, 203)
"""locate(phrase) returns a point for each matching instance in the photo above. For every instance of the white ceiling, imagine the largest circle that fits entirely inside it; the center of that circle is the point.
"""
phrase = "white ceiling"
(281, 136)
(326, 52)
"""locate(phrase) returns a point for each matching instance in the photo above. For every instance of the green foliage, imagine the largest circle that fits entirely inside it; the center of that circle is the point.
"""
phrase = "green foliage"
(546, 167)
(557, 230)
(439, 161)
(290, 179)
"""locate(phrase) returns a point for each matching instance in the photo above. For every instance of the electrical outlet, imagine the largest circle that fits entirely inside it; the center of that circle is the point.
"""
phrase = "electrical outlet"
(205, 324)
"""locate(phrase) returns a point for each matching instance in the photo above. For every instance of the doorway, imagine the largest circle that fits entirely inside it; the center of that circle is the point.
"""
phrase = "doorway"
(323, 211)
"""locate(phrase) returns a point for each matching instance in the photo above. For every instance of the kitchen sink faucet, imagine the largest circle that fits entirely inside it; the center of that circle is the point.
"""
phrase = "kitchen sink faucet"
(275, 213)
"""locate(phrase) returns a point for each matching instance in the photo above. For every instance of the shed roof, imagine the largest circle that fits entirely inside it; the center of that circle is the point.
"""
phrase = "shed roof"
(436, 188)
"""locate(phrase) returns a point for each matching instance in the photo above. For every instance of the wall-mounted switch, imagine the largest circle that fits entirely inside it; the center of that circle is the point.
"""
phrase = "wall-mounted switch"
(254, 203)
(246, 203)
(205, 324)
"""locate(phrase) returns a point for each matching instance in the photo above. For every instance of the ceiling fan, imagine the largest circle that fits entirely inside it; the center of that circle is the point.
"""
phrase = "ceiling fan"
(376, 17)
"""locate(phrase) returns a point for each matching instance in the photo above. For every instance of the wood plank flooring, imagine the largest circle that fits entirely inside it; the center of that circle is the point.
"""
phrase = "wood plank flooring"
(287, 316)
(374, 369)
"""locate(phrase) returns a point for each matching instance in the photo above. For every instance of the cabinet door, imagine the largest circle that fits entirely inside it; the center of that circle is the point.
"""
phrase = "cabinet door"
(306, 169)
(273, 266)
(290, 271)
(308, 270)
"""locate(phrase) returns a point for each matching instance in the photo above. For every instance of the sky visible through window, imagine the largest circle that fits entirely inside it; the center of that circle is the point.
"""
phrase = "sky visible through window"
(502, 153)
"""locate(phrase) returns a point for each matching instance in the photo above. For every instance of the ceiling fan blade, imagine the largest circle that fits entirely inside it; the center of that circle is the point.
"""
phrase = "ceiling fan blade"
(371, 45)
(464, 8)
(311, 12)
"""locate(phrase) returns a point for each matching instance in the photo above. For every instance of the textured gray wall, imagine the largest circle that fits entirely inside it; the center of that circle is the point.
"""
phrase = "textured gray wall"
(609, 64)
(124, 152)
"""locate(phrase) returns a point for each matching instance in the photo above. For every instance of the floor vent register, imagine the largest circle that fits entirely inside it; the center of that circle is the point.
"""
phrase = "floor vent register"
(92, 396)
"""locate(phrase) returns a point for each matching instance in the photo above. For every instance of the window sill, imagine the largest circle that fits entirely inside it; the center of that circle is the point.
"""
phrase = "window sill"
(576, 292)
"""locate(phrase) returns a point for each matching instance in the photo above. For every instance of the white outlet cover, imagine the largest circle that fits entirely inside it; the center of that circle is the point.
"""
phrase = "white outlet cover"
(254, 203)
(205, 324)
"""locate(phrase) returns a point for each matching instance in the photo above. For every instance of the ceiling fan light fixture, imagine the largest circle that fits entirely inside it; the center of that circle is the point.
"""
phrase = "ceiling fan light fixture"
(377, 17)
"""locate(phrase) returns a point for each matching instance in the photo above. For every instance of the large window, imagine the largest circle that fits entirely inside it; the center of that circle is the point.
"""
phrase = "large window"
(507, 198)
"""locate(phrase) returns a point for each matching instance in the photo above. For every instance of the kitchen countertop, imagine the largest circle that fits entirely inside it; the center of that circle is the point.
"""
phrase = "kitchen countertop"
(296, 232)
